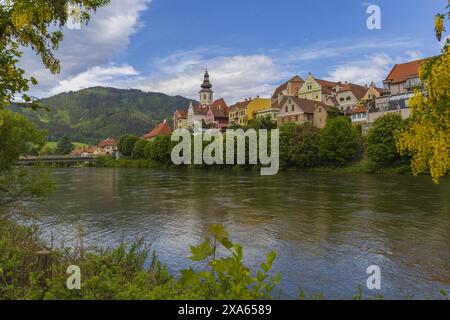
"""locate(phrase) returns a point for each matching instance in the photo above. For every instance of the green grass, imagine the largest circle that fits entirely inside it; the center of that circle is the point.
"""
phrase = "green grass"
(52, 144)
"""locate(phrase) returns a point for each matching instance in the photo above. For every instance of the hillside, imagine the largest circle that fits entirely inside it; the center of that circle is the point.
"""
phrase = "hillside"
(93, 114)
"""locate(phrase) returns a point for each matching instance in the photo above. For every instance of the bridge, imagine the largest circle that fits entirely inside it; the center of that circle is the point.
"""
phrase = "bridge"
(70, 159)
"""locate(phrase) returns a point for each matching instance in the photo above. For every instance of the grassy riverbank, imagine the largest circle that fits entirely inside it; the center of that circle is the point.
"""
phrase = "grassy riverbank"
(358, 167)
(31, 270)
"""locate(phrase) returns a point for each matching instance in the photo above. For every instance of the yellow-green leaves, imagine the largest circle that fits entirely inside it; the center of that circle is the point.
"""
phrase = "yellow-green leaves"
(201, 252)
(439, 27)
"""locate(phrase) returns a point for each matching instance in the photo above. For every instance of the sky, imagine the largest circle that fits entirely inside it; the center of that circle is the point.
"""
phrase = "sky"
(249, 46)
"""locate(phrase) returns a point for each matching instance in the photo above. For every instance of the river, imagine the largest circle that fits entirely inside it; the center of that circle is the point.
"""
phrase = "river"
(327, 229)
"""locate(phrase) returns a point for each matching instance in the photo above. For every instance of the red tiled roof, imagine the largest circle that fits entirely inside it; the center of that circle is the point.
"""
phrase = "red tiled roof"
(220, 104)
(360, 110)
(162, 128)
(183, 113)
(400, 72)
(240, 105)
(108, 142)
(357, 90)
(79, 151)
(326, 84)
(279, 90)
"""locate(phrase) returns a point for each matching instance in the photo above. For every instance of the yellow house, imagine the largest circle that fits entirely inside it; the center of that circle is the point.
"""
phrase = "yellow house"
(237, 113)
(257, 105)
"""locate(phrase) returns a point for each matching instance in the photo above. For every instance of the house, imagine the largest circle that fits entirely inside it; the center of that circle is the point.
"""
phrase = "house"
(370, 97)
(257, 105)
(217, 115)
(238, 113)
(196, 115)
(300, 111)
(359, 115)
(84, 152)
(403, 78)
(106, 147)
(349, 95)
(161, 129)
(289, 88)
(180, 119)
(399, 86)
(317, 90)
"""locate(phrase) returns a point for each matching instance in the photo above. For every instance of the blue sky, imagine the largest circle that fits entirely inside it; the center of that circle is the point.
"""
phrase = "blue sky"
(248, 46)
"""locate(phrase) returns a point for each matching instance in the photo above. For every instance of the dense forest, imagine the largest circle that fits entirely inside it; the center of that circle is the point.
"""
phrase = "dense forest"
(93, 114)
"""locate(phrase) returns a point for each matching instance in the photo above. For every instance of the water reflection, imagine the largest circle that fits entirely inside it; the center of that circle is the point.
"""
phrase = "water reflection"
(327, 229)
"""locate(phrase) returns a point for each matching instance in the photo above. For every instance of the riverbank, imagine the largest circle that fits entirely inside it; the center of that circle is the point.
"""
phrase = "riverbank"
(29, 270)
(358, 167)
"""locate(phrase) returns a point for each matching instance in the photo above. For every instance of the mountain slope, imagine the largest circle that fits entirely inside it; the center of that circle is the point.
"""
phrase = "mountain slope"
(93, 114)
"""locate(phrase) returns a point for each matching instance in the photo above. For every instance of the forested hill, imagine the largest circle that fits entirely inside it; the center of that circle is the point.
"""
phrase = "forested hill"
(93, 114)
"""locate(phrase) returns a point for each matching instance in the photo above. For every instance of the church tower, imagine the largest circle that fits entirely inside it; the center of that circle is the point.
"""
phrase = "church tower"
(206, 94)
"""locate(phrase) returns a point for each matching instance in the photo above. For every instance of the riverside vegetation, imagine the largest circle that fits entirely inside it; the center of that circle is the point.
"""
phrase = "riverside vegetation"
(339, 147)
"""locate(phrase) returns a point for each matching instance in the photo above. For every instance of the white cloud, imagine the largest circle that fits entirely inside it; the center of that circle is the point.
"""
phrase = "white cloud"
(374, 68)
(107, 34)
(233, 77)
(96, 76)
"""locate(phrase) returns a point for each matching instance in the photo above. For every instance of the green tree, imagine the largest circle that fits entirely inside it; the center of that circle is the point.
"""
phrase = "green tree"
(17, 137)
(299, 145)
(139, 149)
(126, 144)
(65, 146)
(381, 145)
(265, 122)
(160, 150)
(338, 141)
(36, 24)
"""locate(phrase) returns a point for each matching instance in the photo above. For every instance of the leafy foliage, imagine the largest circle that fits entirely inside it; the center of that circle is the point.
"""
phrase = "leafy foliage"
(36, 24)
(299, 145)
(123, 273)
(65, 146)
(17, 137)
(381, 146)
(126, 144)
(339, 141)
(428, 135)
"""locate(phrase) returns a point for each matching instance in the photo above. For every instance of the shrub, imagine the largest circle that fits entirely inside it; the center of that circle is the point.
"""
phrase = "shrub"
(339, 141)
(299, 145)
(126, 145)
(381, 144)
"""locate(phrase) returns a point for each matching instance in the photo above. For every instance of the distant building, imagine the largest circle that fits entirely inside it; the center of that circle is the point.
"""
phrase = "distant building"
(161, 129)
(257, 105)
(317, 90)
(348, 96)
(180, 119)
(214, 113)
(84, 152)
(217, 115)
(238, 113)
(300, 111)
(289, 88)
(399, 87)
(107, 147)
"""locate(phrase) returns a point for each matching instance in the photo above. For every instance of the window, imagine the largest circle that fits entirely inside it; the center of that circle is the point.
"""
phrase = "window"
(320, 110)
(293, 108)
(349, 98)
(341, 99)
(296, 118)
(286, 109)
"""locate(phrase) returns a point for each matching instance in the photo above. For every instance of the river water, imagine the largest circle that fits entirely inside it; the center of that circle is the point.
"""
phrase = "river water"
(327, 229)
